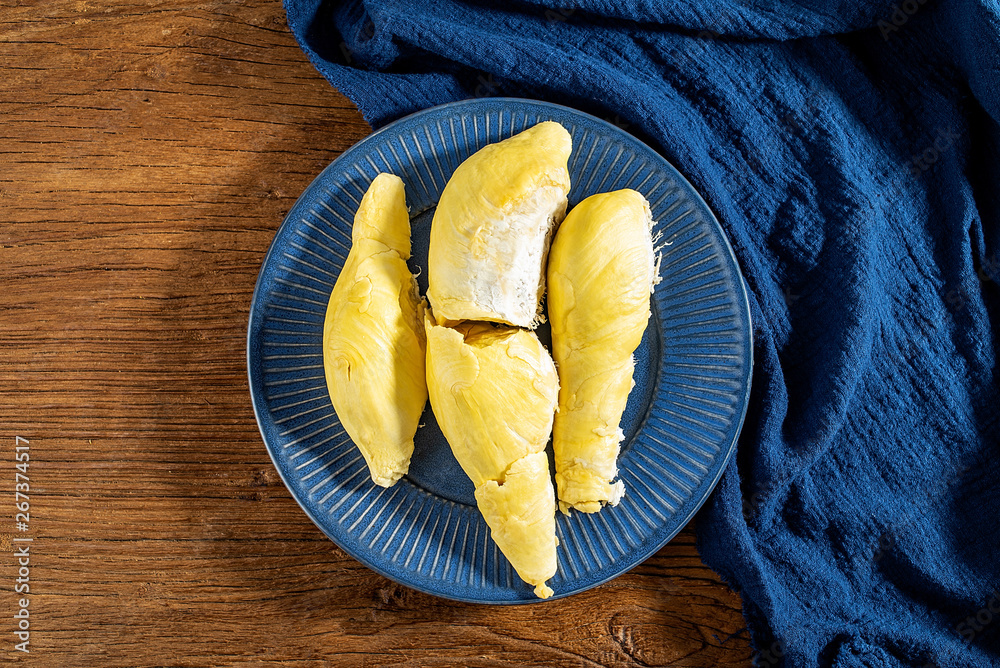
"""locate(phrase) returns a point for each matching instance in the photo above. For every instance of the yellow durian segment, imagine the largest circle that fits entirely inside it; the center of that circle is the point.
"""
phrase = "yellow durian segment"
(600, 275)
(373, 335)
(494, 391)
(521, 517)
(493, 225)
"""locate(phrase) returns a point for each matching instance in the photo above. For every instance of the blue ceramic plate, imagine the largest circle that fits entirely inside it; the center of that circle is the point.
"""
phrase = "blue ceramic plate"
(692, 375)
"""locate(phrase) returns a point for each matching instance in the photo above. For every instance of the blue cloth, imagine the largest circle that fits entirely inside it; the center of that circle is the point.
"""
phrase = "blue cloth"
(852, 153)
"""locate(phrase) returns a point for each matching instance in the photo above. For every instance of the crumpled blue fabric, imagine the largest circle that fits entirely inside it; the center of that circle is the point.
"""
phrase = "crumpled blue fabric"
(851, 152)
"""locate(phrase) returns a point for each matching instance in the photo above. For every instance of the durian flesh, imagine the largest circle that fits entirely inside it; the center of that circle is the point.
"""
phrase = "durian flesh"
(492, 228)
(373, 335)
(600, 275)
(494, 391)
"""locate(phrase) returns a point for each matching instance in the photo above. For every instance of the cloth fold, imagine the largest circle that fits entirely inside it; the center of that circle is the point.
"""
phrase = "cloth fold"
(852, 154)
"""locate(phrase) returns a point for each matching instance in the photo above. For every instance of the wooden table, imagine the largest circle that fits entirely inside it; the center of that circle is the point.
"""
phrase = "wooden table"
(149, 152)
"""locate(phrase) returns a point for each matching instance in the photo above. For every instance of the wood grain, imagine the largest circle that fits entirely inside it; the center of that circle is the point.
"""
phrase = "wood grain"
(148, 153)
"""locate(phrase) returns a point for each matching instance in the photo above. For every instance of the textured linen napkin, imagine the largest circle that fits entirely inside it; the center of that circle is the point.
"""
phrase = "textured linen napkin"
(851, 152)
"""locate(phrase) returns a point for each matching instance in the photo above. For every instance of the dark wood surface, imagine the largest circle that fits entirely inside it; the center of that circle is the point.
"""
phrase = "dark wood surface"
(148, 153)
